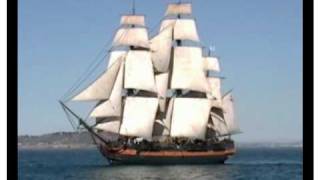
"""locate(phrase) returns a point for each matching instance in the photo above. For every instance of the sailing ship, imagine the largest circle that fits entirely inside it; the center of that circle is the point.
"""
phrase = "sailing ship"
(160, 98)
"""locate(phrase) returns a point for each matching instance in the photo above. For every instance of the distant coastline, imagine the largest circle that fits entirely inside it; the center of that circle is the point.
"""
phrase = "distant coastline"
(293, 144)
(58, 140)
(82, 140)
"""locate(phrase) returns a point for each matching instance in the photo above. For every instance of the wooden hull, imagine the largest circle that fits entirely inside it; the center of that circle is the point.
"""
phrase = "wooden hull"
(132, 156)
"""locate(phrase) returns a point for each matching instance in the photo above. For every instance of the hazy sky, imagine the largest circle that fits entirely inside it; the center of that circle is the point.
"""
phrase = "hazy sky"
(259, 43)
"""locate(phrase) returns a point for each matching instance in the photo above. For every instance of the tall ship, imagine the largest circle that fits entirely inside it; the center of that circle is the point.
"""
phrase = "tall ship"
(159, 99)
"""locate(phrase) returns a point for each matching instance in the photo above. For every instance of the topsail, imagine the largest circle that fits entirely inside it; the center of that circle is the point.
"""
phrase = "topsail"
(188, 70)
(139, 72)
(186, 29)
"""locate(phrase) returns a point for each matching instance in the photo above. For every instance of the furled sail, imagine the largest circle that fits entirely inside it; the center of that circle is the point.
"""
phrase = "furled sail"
(139, 116)
(228, 113)
(133, 36)
(139, 72)
(112, 107)
(190, 117)
(185, 29)
(215, 90)
(188, 70)
(110, 126)
(161, 49)
(132, 20)
(162, 85)
(211, 63)
(102, 87)
(114, 55)
(179, 8)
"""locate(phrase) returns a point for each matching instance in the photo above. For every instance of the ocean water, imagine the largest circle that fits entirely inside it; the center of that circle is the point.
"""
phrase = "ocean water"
(247, 164)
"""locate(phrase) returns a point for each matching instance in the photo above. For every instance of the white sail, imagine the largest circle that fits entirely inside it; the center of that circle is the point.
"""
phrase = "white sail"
(114, 55)
(211, 63)
(162, 85)
(105, 109)
(190, 117)
(139, 116)
(102, 87)
(215, 91)
(111, 126)
(112, 107)
(161, 49)
(137, 36)
(167, 24)
(133, 20)
(228, 113)
(185, 29)
(139, 72)
(219, 124)
(188, 70)
(179, 8)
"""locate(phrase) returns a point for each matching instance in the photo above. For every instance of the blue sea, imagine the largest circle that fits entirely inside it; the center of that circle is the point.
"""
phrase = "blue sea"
(248, 163)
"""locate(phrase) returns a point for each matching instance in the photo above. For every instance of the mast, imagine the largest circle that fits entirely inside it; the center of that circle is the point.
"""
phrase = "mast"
(133, 7)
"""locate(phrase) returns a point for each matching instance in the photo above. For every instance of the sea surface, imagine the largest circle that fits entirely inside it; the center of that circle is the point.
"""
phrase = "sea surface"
(78, 164)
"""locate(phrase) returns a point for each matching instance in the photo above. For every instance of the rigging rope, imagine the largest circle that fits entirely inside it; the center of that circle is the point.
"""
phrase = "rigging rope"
(84, 75)
(70, 96)
(89, 70)
(69, 118)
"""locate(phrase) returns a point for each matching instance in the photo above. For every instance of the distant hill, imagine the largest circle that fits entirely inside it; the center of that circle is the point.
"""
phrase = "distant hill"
(56, 140)
(297, 144)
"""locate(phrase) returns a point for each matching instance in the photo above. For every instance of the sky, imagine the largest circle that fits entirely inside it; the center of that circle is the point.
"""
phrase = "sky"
(259, 44)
